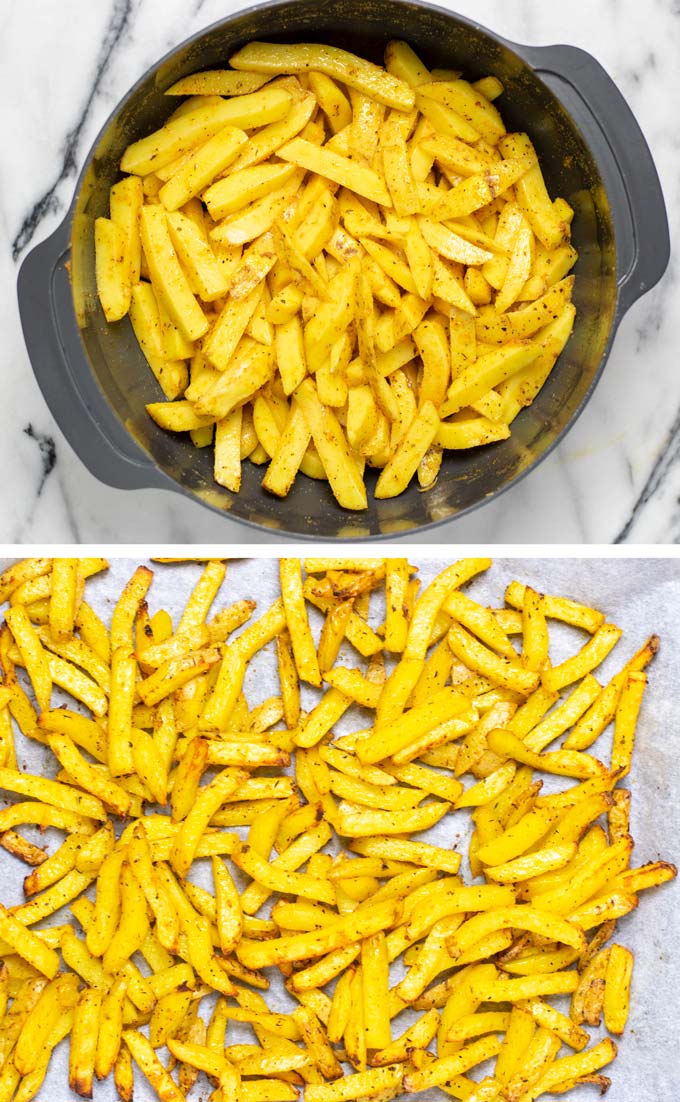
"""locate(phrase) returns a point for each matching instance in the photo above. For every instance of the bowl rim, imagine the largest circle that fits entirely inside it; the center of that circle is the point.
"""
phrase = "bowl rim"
(518, 50)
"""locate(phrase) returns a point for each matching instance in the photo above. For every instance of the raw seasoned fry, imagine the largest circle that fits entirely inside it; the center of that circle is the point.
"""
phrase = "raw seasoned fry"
(341, 468)
(356, 73)
(112, 269)
(211, 159)
(336, 168)
(217, 82)
(168, 278)
(179, 135)
(386, 190)
(404, 462)
(487, 372)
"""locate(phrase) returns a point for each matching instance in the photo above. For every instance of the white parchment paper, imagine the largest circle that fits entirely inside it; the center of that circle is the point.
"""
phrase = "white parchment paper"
(643, 597)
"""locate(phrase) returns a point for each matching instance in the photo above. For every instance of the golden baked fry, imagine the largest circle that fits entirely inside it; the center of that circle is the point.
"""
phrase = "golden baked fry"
(366, 922)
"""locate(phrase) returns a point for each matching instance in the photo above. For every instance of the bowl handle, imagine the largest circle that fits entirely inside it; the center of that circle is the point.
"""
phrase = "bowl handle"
(621, 150)
(63, 373)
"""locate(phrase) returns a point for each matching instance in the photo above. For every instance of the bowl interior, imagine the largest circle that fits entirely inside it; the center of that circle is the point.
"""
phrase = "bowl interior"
(466, 479)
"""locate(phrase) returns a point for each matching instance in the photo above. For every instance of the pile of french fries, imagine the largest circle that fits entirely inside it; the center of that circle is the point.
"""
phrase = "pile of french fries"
(329, 264)
(162, 763)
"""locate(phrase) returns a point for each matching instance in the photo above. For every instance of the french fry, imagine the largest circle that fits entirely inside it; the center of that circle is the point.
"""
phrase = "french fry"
(252, 367)
(529, 319)
(251, 224)
(29, 947)
(175, 673)
(58, 997)
(211, 159)
(483, 661)
(304, 650)
(354, 72)
(217, 82)
(147, 1061)
(627, 712)
(559, 608)
(367, 921)
(401, 467)
(471, 104)
(26, 851)
(84, 1036)
(581, 1064)
(564, 716)
(229, 914)
(52, 792)
(87, 776)
(32, 653)
(336, 168)
(329, 438)
(179, 135)
(123, 674)
(566, 763)
(21, 571)
(617, 988)
(594, 652)
(63, 599)
(204, 961)
(450, 245)
(445, 705)
(208, 801)
(532, 194)
(112, 269)
(204, 271)
(235, 191)
(131, 929)
(110, 1027)
(169, 1015)
(167, 276)
(332, 636)
(366, 1084)
(396, 584)
(171, 374)
(520, 917)
(273, 877)
(123, 1075)
(488, 371)
(314, 1036)
(442, 1070)
(332, 101)
(270, 138)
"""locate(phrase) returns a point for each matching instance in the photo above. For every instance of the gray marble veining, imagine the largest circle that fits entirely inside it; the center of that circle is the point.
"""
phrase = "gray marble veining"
(616, 478)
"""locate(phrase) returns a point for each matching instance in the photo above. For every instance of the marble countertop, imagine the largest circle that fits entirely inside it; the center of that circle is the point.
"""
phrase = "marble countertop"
(616, 478)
